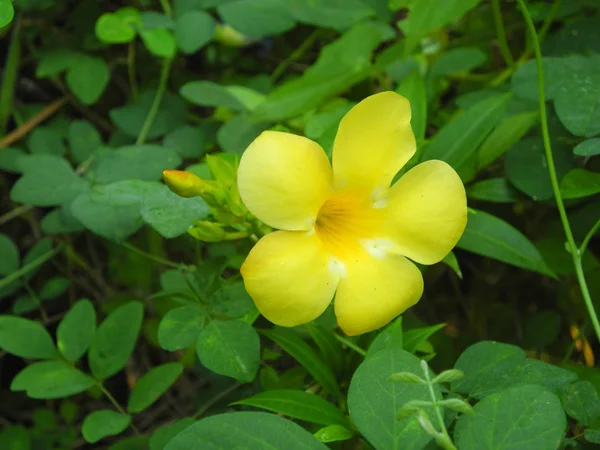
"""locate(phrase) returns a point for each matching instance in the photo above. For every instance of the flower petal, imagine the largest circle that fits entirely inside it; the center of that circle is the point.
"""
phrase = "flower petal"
(375, 291)
(284, 179)
(428, 212)
(288, 276)
(373, 142)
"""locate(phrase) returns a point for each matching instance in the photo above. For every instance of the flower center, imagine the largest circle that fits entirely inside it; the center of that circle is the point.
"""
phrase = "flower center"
(344, 221)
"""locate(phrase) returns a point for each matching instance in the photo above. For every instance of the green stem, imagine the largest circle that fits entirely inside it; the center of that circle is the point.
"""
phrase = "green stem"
(131, 71)
(501, 34)
(29, 267)
(444, 441)
(297, 54)
(166, 7)
(549, 19)
(348, 343)
(211, 402)
(575, 254)
(4, 218)
(162, 85)
(588, 236)
(150, 256)
(117, 406)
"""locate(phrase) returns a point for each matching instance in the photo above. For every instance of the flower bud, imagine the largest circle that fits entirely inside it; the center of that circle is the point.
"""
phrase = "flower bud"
(185, 184)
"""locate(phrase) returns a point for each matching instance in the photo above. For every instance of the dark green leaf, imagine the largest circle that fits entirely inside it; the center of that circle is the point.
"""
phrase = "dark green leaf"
(257, 18)
(83, 140)
(495, 190)
(152, 385)
(300, 350)
(457, 60)
(42, 172)
(9, 255)
(46, 140)
(100, 424)
(458, 141)
(230, 301)
(336, 14)
(187, 141)
(10, 159)
(207, 93)
(589, 147)
(87, 78)
(581, 402)
(170, 214)
(520, 418)
(413, 339)
(237, 134)
(51, 379)
(53, 288)
(490, 236)
(55, 61)
(389, 338)
(592, 436)
(374, 401)
(330, 347)
(193, 30)
(580, 183)
(297, 405)
(25, 338)
(161, 437)
(413, 88)
(76, 331)
(180, 327)
(237, 430)
(230, 348)
(115, 339)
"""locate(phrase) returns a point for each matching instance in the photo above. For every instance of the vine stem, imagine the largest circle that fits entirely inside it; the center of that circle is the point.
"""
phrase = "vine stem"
(162, 85)
(445, 442)
(575, 252)
(150, 256)
(501, 34)
(348, 343)
(117, 406)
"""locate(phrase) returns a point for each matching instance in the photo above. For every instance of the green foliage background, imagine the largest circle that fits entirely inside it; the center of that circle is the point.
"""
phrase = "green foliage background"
(120, 330)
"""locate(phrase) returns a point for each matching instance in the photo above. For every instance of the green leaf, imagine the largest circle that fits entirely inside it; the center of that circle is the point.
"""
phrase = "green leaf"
(10, 159)
(54, 287)
(413, 339)
(9, 255)
(389, 338)
(341, 64)
(413, 88)
(25, 338)
(505, 135)
(113, 211)
(257, 18)
(491, 366)
(87, 78)
(301, 352)
(520, 418)
(336, 14)
(7, 13)
(51, 379)
(374, 401)
(100, 424)
(137, 162)
(230, 348)
(114, 29)
(76, 330)
(180, 327)
(592, 436)
(330, 347)
(61, 220)
(578, 105)
(490, 236)
(193, 30)
(589, 147)
(152, 385)
(457, 60)
(46, 140)
(579, 183)
(427, 15)
(236, 430)
(334, 433)
(581, 402)
(452, 261)
(55, 61)
(187, 141)
(526, 167)
(40, 172)
(15, 437)
(83, 140)
(495, 190)
(207, 93)
(161, 437)
(170, 214)
(230, 301)
(458, 141)
(115, 339)
(297, 405)
(160, 42)
(237, 134)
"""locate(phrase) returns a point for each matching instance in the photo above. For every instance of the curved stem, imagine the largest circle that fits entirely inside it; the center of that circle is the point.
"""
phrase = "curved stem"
(162, 85)
(587, 238)
(348, 343)
(150, 256)
(445, 440)
(575, 253)
(29, 267)
(501, 34)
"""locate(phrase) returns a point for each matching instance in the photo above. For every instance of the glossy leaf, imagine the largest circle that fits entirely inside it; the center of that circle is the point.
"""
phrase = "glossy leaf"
(579, 183)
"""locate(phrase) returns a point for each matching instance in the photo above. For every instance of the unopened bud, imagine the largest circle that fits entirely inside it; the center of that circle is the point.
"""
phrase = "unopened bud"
(185, 184)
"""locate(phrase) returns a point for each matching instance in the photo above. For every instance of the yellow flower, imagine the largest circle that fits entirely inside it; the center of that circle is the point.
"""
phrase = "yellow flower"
(346, 231)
